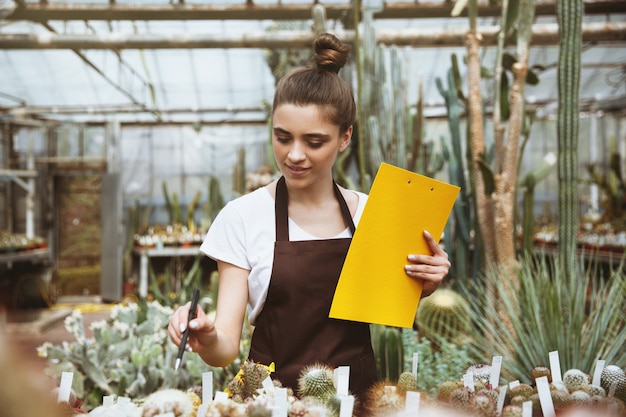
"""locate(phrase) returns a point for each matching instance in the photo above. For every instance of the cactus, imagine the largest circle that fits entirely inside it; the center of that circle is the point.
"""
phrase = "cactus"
(444, 391)
(445, 315)
(539, 371)
(407, 381)
(569, 18)
(389, 351)
(483, 406)
(458, 232)
(174, 401)
(511, 411)
(522, 390)
(481, 373)
(460, 398)
(248, 381)
(613, 374)
(575, 379)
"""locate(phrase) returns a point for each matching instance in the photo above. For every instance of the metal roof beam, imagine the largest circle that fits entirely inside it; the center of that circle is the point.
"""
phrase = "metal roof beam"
(542, 34)
(249, 11)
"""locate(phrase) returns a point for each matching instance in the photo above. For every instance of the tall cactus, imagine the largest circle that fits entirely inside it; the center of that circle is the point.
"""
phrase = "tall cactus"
(569, 17)
(457, 233)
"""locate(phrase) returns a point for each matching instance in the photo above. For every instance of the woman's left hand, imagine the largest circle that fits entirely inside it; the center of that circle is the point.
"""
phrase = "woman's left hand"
(431, 269)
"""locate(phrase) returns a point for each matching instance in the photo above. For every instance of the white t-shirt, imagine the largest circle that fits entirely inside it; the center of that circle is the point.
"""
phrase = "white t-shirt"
(243, 234)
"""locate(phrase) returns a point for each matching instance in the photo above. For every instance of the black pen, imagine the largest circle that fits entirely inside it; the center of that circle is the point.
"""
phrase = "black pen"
(192, 315)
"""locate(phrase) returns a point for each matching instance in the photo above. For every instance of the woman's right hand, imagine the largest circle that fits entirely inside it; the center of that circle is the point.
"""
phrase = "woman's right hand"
(202, 331)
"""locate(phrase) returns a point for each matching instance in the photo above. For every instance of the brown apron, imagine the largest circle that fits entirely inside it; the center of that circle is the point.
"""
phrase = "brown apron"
(293, 330)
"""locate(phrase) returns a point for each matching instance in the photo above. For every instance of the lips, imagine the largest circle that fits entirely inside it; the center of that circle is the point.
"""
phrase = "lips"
(295, 170)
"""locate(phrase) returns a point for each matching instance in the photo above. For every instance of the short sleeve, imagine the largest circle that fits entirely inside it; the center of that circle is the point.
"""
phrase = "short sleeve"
(226, 241)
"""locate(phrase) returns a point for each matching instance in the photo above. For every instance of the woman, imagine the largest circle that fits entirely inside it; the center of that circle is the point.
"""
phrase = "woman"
(280, 249)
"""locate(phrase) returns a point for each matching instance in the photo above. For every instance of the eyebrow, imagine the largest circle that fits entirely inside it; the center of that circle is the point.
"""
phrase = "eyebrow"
(307, 135)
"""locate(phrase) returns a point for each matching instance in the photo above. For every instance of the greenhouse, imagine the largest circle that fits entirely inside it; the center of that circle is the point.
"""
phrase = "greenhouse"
(127, 128)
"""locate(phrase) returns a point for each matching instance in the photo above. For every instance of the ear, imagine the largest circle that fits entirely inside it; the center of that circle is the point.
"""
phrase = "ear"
(345, 139)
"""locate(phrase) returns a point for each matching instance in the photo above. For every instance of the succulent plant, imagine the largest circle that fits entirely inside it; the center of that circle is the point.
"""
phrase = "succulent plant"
(575, 379)
(177, 402)
(613, 374)
(444, 315)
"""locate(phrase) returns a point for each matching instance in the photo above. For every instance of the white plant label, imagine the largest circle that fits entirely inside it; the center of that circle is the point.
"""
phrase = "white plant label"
(412, 403)
(268, 385)
(202, 409)
(108, 400)
(220, 396)
(415, 364)
(342, 379)
(513, 384)
(527, 409)
(494, 378)
(597, 374)
(468, 381)
(501, 398)
(347, 406)
(545, 399)
(207, 387)
(65, 387)
(280, 402)
(555, 366)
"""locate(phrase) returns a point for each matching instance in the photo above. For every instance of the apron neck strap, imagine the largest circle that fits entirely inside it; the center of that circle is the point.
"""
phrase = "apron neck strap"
(281, 203)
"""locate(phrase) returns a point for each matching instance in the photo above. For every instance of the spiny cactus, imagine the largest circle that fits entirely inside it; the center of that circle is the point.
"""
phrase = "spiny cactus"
(523, 390)
(445, 315)
(539, 371)
(177, 402)
(575, 379)
(481, 373)
(317, 381)
(613, 374)
(407, 381)
(483, 406)
(248, 380)
(444, 391)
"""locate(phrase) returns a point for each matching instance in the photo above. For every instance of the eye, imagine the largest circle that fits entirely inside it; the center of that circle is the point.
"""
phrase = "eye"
(316, 145)
(282, 139)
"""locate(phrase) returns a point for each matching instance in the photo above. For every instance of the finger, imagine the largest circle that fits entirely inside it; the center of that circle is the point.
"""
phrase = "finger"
(434, 245)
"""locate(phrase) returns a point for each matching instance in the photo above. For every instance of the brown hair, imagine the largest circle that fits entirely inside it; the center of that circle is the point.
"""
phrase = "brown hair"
(320, 83)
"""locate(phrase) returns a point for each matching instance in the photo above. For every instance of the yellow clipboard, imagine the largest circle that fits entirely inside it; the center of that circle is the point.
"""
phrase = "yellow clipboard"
(373, 286)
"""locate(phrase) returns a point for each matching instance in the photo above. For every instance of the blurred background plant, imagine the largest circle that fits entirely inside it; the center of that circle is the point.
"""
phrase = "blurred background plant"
(437, 363)
(129, 354)
(580, 316)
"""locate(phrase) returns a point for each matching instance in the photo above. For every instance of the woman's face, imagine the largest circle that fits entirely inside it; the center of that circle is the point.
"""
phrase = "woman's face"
(305, 143)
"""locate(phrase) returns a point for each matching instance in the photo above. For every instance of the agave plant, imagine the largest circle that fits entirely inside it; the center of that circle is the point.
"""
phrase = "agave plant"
(581, 317)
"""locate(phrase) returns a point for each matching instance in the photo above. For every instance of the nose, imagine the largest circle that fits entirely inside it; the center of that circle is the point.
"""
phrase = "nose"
(296, 153)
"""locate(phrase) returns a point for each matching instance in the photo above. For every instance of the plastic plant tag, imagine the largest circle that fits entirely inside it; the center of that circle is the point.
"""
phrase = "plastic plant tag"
(207, 387)
(220, 396)
(280, 402)
(545, 398)
(65, 387)
(501, 399)
(412, 403)
(513, 384)
(268, 385)
(168, 414)
(415, 364)
(597, 374)
(468, 381)
(202, 409)
(494, 378)
(347, 405)
(342, 379)
(555, 366)
(108, 400)
(527, 409)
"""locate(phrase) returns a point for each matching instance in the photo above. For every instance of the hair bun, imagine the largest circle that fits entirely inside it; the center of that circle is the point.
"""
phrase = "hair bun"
(331, 53)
